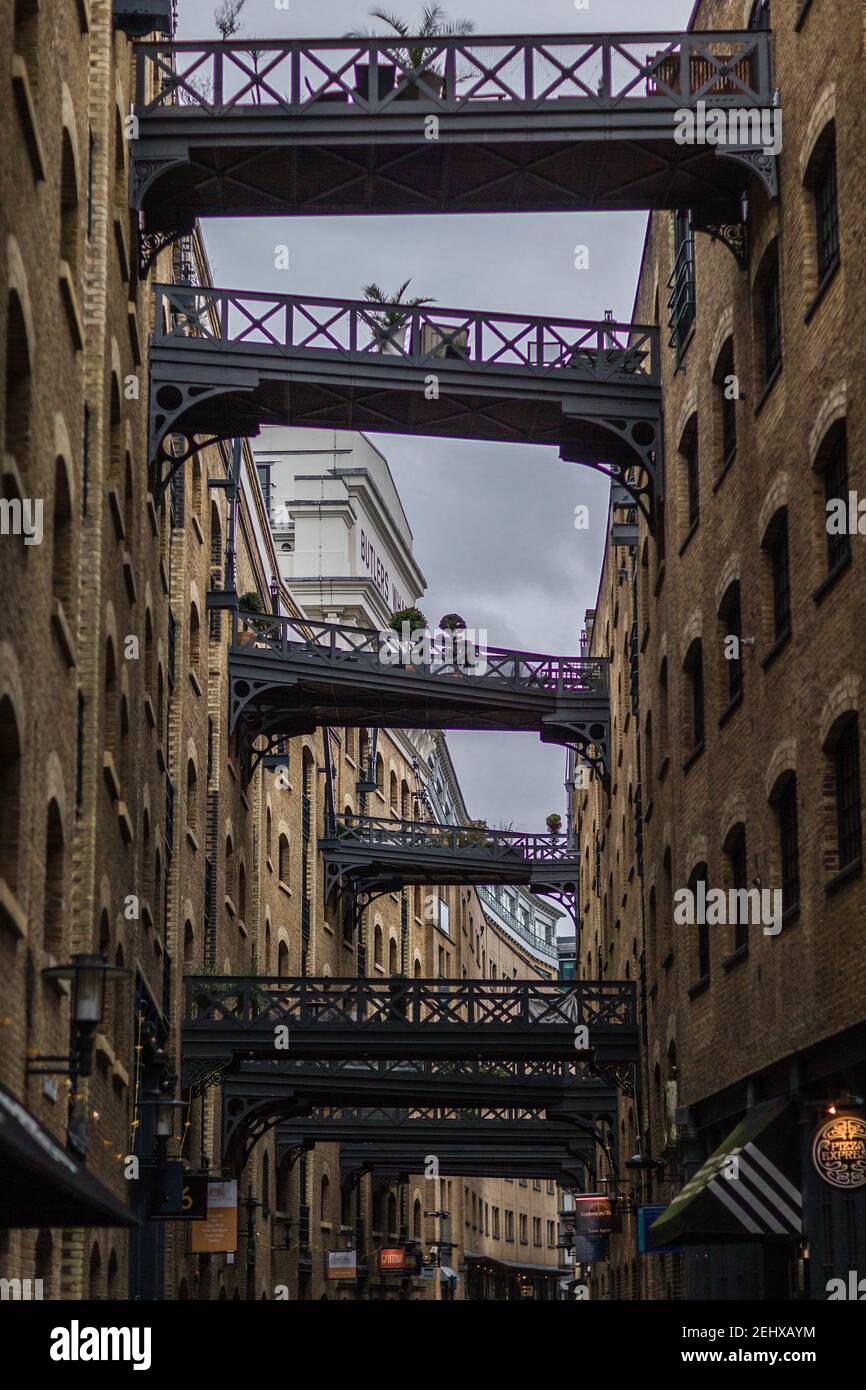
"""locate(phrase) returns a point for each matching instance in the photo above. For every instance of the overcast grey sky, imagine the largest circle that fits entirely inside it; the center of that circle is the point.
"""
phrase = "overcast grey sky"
(493, 525)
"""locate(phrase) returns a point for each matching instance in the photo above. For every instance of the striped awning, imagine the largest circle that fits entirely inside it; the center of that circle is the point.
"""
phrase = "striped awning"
(746, 1191)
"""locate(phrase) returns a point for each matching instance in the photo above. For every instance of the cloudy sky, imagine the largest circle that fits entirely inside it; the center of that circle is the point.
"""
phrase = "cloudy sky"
(493, 524)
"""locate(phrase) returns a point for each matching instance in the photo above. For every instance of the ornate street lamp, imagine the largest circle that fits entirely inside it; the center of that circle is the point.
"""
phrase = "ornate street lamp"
(88, 975)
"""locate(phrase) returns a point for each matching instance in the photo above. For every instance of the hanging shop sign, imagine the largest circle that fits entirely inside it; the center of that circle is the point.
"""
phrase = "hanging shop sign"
(398, 1261)
(839, 1152)
(218, 1233)
(646, 1215)
(342, 1264)
(178, 1196)
(594, 1215)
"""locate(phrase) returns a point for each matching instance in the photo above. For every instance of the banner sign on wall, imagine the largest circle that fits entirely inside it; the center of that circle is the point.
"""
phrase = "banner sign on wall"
(218, 1233)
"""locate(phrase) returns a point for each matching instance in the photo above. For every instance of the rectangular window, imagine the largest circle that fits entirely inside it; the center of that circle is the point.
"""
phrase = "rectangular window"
(836, 491)
(524, 1239)
(847, 769)
(827, 215)
(551, 1235)
(495, 1223)
(789, 844)
(536, 1230)
(509, 1225)
(772, 321)
(778, 550)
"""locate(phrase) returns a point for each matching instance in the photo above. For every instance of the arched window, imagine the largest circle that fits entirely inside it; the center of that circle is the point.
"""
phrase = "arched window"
(380, 773)
(269, 828)
(377, 945)
(283, 859)
(325, 1198)
(416, 1220)
(283, 961)
(242, 892)
(393, 793)
(393, 1228)
(392, 957)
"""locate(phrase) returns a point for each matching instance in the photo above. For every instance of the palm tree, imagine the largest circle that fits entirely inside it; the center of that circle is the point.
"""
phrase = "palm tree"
(434, 25)
(385, 323)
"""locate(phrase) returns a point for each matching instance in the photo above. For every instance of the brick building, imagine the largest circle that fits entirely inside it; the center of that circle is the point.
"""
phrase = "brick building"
(128, 829)
(736, 692)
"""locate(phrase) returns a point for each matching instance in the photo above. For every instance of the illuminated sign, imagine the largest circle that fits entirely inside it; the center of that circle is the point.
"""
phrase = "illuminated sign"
(839, 1152)
(594, 1215)
(397, 1261)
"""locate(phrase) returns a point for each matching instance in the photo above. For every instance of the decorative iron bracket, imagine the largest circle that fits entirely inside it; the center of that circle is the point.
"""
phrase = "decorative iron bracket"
(761, 161)
(733, 235)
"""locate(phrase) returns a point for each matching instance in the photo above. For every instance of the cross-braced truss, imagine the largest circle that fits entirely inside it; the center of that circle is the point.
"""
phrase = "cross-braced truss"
(257, 1017)
(477, 124)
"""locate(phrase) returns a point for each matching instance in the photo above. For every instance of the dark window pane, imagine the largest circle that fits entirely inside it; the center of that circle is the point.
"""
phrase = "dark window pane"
(732, 618)
(847, 768)
(778, 549)
(695, 674)
(789, 844)
(693, 483)
(836, 488)
(827, 214)
(772, 321)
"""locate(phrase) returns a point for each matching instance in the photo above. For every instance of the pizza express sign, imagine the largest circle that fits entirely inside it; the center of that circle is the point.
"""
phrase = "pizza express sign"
(839, 1152)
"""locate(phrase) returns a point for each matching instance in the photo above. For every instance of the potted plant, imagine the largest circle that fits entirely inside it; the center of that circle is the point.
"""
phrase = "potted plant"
(416, 622)
(434, 25)
(554, 823)
(389, 324)
(452, 622)
(250, 602)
